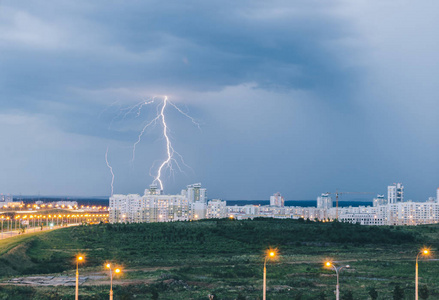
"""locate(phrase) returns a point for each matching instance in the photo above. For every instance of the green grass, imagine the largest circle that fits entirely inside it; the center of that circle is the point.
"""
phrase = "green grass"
(189, 260)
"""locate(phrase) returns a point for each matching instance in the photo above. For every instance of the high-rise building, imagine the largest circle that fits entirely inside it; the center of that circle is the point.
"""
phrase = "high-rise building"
(324, 201)
(195, 193)
(379, 200)
(395, 193)
(437, 195)
(277, 200)
(6, 198)
(154, 206)
(153, 190)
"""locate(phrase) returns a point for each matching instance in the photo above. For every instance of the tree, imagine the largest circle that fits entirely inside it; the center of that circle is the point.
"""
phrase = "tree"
(349, 295)
(298, 296)
(424, 293)
(398, 293)
(373, 293)
(322, 296)
(241, 297)
(154, 294)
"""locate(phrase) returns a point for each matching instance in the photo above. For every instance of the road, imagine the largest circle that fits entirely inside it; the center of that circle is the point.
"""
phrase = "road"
(8, 234)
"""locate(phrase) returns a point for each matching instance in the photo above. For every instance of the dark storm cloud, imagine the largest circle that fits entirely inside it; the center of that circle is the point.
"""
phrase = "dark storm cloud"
(56, 51)
(197, 46)
(297, 96)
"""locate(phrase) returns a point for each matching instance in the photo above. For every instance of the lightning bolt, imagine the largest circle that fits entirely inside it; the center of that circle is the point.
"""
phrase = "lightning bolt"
(173, 158)
(111, 170)
(185, 114)
(169, 149)
(170, 152)
(123, 113)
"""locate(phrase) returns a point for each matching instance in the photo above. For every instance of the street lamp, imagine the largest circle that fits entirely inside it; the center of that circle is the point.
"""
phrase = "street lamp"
(117, 271)
(270, 254)
(337, 271)
(425, 252)
(79, 259)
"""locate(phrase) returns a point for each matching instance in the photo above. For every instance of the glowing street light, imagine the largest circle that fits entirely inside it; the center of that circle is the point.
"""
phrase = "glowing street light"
(337, 271)
(79, 258)
(270, 254)
(424, 252)
(117, 271)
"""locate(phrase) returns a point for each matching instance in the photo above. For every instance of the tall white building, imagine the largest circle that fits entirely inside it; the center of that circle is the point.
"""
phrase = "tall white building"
(437, 195)
(324, 201)
(153, 190)
(379, 200)
(277, 200)
(216, 209)
(395, 193)
(191, 204)
(195, 193)
(154, 206)
(6, 198)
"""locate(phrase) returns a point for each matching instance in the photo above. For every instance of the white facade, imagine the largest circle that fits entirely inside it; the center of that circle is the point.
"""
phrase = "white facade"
(324, 201)
(382, 213)
(437, 195)
(195, 193)
(379, 200)
(362, 219)
(216, 209)
(154, 206)
(277, 200)
(395, 193)
(8, 201)
(199, 210)
(6, 198)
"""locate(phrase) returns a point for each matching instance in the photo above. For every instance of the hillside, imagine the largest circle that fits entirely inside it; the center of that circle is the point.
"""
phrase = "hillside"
(189, 260)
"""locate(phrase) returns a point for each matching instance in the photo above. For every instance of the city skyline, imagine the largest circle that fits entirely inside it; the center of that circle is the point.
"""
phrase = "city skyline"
(298, 98)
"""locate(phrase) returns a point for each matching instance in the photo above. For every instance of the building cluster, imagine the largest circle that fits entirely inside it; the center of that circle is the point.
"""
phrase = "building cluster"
(192, 204)
(8, 201)
(394, 210)
(154, 206)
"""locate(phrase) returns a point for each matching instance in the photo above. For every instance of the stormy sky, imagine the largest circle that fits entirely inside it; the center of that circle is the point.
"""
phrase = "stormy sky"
(300, 97)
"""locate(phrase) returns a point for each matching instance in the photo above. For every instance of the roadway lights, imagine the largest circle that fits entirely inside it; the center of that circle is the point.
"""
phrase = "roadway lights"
(79, 258)
(424, 252)
(117, 271)
(337, 270)
(270, 254)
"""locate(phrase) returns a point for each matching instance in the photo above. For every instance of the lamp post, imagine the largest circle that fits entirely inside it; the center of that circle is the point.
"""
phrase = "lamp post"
(270, 254)
(79, 258)
(7, 221)
(337, 271)
(424, 252)
(117, 271)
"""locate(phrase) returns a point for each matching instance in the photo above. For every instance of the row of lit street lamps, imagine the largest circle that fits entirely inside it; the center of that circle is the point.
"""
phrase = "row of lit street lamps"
(113, 270)
(272, 254)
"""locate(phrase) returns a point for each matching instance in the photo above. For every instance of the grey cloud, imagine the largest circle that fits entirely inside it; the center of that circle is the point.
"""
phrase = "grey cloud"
(198, 46)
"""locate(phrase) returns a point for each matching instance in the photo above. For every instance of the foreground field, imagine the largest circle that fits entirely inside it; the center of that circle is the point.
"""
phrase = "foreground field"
(189, 260)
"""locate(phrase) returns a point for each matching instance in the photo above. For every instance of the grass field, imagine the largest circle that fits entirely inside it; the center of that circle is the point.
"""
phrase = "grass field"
(189, 260)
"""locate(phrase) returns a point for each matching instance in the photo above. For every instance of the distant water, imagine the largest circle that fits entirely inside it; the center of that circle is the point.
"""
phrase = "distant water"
(303, 203)
(98, 201)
